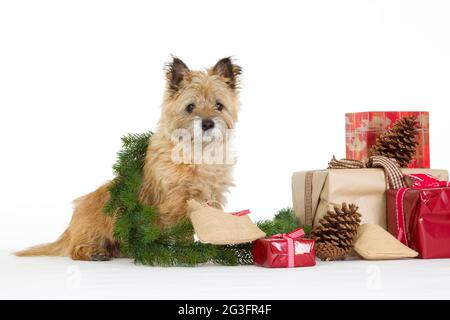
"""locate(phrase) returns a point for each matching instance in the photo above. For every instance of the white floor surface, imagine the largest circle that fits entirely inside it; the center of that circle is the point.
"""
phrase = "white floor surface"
(62, 278)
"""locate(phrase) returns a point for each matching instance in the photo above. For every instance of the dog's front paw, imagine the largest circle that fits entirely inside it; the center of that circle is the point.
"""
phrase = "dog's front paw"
(100, 256)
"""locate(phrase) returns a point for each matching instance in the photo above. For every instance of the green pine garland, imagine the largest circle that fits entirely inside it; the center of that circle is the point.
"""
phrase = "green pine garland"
(141, 239)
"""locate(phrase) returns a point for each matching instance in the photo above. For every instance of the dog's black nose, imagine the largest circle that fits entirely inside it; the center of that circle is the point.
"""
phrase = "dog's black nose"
(207, 124)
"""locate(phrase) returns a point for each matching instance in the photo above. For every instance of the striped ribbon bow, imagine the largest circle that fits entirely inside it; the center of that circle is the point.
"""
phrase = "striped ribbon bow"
(394, 176)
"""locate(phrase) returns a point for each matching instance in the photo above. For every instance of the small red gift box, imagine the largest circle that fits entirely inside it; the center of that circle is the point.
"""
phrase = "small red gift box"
(420, 216)
(363, 128)
(284, 251)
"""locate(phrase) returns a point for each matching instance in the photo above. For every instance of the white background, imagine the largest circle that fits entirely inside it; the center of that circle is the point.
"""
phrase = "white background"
(77, 75)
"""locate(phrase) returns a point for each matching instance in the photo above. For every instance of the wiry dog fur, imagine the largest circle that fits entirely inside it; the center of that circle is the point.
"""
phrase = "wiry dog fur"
(210, 94)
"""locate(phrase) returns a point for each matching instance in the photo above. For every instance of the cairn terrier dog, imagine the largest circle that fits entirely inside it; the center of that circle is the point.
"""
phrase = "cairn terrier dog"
(193, 100)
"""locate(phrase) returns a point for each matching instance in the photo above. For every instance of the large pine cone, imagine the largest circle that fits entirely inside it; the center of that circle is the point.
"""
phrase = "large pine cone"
(399, 142)
(338, 229)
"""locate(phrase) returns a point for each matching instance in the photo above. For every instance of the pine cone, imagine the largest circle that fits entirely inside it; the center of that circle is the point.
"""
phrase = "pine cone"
(329, 252)
(338, 229)
(399, 142)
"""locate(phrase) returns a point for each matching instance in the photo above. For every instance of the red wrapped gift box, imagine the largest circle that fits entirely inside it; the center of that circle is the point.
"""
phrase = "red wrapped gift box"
(420, 216)
(363, 128)
(284, 251)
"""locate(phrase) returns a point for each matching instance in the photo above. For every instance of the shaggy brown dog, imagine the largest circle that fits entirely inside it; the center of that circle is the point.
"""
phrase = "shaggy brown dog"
(208, 98)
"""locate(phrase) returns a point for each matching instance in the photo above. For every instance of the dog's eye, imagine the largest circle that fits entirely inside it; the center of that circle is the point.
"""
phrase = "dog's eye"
(190, 107)
(219, 106)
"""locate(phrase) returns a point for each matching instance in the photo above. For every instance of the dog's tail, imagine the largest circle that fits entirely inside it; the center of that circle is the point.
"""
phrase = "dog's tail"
(56, 248)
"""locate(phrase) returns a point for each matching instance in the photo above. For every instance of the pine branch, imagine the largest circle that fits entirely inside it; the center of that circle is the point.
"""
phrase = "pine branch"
(283, 222)
(138, 234)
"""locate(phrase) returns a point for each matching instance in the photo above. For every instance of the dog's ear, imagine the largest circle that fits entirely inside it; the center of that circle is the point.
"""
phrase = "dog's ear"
(229, 71)
(176, 71)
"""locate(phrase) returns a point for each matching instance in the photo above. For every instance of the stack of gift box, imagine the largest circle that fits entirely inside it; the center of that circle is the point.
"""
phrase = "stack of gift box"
(416, 214)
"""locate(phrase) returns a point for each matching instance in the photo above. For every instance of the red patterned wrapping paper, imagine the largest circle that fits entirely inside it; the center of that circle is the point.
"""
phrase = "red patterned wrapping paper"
(363, 128)
(284, 251)
(419, 216)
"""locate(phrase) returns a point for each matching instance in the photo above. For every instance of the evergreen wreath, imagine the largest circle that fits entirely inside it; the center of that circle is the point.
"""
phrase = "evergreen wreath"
(141, 239)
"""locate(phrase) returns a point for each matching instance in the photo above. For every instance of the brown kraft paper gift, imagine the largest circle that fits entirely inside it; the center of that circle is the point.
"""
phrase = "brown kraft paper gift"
(315, 192)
